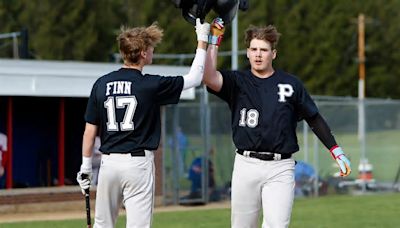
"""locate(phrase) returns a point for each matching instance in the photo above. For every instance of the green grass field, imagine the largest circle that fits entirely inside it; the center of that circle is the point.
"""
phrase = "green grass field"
(380, 211)
(382, 152)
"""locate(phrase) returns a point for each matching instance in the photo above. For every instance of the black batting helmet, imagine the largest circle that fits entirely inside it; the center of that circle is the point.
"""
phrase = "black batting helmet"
(226, 9)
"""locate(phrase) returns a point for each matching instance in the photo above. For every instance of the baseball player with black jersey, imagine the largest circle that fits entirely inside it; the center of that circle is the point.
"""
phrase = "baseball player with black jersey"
(266, 105)
(124, 106)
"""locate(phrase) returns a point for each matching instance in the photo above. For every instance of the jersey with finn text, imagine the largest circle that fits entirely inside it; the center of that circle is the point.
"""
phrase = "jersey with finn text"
(125, 105)
(265, 111)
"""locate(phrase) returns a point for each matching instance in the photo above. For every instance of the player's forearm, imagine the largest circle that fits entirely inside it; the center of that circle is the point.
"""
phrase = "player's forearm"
(88, 139)
(202, 45)
(87, 147)
(321, 129)
(211, 76)
(195, 75)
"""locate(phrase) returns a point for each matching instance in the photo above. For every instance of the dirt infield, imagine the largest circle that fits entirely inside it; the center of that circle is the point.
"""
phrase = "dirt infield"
(80, 214)
(61, 203)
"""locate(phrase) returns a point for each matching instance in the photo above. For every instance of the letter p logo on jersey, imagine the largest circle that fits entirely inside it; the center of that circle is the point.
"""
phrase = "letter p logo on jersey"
(285, 90)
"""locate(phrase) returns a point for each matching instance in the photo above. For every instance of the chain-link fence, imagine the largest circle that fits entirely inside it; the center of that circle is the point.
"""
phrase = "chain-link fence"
(200, 130)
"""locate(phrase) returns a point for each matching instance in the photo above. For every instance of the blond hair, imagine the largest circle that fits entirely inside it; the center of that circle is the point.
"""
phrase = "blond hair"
(132, 41)
(268, 33)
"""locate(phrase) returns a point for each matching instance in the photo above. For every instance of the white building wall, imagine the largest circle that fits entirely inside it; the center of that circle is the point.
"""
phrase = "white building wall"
(65, 78)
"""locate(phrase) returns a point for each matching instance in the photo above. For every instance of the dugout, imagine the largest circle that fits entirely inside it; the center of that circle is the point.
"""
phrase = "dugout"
(42, 105)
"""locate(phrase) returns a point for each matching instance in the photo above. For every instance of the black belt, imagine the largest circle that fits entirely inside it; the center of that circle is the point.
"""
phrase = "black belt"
(139, 153)
(265, 156)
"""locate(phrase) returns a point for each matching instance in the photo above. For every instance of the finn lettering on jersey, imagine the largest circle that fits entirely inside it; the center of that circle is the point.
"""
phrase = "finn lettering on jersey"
(118, 87)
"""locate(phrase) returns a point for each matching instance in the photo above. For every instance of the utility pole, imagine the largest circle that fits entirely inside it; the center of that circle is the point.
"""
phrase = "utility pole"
(235, 49)
(361, 56)
(24, 47)
(361, 95)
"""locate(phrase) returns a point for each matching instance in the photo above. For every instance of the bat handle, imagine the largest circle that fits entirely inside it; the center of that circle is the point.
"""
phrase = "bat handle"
(87, 199)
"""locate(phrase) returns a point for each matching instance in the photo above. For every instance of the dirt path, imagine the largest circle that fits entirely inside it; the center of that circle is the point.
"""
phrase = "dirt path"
(80, 214)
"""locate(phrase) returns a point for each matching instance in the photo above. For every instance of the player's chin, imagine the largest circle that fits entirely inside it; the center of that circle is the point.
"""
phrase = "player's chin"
(258, 67)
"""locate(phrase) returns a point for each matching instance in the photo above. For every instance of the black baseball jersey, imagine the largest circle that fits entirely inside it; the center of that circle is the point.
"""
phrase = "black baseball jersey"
(265, 111)
(126, 106)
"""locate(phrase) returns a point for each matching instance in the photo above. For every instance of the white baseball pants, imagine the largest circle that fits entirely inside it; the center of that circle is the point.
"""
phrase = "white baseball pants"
(129, 180)
(262, 184)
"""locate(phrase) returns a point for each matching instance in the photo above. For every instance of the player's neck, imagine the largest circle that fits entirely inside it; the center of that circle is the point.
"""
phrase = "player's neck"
(263, 73)
(133, 66)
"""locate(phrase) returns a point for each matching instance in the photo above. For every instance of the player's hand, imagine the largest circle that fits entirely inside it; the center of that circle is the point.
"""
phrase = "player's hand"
(202, 30)
(217, 31)
(344, 163)
(84, 175)
(84, 180)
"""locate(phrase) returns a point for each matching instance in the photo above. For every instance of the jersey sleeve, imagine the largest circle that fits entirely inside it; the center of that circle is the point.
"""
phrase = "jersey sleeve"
(228, 85)
(305, 105)
(91, 114)
(169, 90)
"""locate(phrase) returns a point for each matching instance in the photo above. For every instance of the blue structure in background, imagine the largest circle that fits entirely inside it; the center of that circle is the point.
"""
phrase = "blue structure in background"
(304, 175)
(35, 139)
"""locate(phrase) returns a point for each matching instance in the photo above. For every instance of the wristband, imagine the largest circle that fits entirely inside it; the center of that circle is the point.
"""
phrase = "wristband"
(215, 40)
(336, 151)
(86, 166)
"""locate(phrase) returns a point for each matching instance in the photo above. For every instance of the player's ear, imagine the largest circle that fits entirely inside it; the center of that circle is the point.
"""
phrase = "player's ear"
(247, 53)
(143, 54)
(274, 52)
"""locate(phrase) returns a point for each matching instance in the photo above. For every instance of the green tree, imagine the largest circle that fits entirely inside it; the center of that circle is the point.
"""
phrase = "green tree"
(318, 43)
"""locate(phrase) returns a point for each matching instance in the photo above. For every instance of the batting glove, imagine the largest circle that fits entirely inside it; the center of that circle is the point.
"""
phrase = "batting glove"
(216, 31)
(344, 163)
(202, 30)
(84, 176)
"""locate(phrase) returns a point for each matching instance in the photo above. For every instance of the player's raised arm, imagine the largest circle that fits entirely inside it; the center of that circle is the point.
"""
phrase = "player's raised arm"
(213, 78)
(193, 78)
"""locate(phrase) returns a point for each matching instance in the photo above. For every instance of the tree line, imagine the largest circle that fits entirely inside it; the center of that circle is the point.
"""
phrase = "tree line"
(318, 42)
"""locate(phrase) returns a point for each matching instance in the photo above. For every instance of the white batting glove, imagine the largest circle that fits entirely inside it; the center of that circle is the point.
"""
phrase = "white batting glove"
(84, 176)
(344, 163)
(202, 30)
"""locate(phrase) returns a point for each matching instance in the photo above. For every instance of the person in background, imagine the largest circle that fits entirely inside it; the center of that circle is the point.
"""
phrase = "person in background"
(3, 158)
(304, 175)
(196, 175)
(180, 142)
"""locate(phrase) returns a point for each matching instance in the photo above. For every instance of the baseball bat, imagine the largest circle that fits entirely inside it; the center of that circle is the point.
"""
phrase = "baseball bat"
(87, 200)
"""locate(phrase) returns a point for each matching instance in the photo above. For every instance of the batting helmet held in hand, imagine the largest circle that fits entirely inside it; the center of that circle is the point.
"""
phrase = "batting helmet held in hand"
(226, 9)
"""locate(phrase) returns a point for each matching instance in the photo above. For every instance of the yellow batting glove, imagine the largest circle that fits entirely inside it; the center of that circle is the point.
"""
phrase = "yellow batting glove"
(217, 30)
